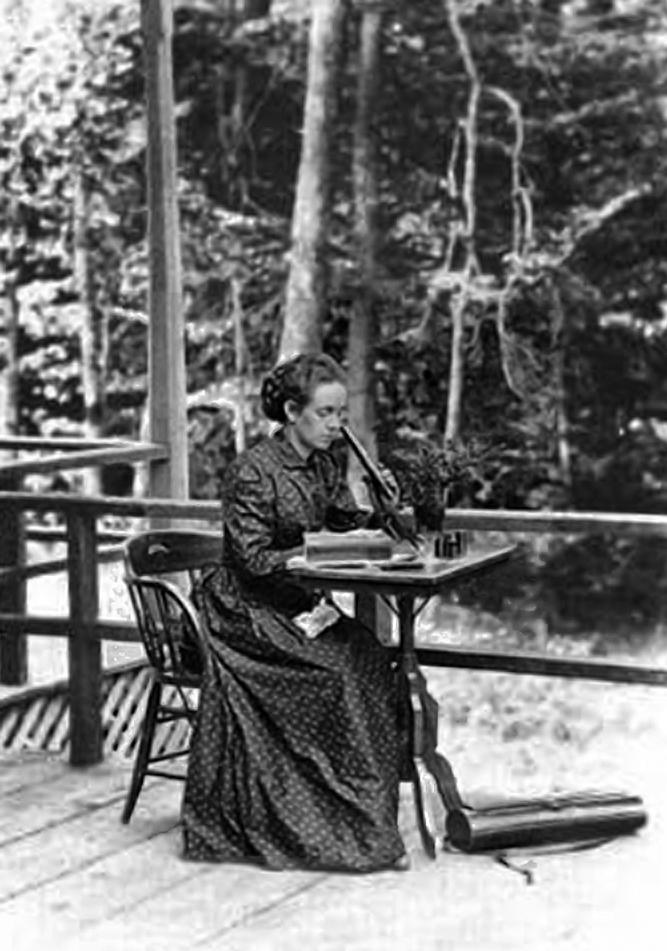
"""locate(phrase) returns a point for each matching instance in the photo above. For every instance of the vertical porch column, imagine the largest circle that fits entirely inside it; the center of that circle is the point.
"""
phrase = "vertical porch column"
(166, 354)
(85, 650)
(14, 647)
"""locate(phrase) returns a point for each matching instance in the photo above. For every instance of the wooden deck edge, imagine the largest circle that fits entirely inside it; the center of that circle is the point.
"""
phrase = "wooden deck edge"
(39, 717)
(57, 687)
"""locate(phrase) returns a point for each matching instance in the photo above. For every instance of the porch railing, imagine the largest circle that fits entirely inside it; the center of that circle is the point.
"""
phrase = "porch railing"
(88, 545)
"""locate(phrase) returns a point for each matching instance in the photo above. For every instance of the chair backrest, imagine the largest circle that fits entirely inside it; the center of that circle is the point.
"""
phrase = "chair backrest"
(167, 620)
(167, 551)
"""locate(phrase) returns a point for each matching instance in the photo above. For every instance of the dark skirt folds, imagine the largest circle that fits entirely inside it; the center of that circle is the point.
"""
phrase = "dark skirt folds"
(294, 759)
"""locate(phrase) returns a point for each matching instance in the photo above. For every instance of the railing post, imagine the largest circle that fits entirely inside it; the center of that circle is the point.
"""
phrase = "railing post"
(13, 648)
(85, 654)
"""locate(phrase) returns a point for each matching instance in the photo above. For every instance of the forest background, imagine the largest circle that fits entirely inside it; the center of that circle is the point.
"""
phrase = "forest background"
(466, 204)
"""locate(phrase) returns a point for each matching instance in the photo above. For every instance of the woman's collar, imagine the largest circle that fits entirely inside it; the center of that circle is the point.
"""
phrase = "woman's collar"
(289, 456)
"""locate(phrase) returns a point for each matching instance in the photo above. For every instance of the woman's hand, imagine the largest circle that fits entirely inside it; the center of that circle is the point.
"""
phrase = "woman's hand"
(389, 480)
(391, 483)
(323, 616)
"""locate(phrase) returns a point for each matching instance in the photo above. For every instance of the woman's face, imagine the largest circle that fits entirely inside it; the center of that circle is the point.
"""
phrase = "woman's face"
(317, 424)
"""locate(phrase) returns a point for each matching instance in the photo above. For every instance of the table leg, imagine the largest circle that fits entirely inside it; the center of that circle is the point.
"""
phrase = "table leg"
(422, 719)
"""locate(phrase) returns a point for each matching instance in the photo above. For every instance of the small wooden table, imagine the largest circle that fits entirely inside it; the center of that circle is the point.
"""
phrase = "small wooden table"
(406, 586)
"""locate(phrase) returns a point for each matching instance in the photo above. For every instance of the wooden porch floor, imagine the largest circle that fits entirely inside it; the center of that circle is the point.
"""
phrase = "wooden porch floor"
(72, 877)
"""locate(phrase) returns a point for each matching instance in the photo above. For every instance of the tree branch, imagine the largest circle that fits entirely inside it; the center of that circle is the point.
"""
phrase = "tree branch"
(470, 268)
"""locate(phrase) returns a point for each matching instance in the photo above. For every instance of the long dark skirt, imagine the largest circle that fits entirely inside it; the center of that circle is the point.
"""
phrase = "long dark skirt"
(294, 759)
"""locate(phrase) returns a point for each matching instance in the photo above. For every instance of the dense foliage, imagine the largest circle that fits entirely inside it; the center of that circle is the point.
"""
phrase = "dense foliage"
(565, 394)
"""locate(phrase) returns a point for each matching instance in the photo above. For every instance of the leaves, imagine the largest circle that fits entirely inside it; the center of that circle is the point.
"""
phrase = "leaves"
(591, 94)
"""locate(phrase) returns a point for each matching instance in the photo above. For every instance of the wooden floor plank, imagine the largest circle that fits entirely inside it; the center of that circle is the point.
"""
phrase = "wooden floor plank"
(70, 793)
(208, 901)
(34, 861)
(75, 879)
(578, 901)
(29, 767)
(93, 895)
(199, 904)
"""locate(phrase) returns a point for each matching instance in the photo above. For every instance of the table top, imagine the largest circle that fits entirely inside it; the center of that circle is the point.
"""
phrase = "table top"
(397, 578)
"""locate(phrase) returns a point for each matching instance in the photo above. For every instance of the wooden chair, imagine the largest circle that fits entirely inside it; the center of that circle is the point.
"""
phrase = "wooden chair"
(172, 635)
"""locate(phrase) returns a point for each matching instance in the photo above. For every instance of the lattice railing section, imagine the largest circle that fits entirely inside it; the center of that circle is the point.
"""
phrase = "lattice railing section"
(38, 718)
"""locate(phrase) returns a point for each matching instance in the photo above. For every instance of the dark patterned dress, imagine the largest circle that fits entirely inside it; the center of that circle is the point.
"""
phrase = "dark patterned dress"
(294, 759)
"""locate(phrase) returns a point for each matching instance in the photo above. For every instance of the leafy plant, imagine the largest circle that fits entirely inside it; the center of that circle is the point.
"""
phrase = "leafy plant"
(430, 478)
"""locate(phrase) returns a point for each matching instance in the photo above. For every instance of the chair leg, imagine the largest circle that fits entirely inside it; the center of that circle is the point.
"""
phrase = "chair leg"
(143, 752)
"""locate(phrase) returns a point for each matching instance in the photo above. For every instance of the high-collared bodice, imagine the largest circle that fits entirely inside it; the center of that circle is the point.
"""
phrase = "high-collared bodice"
(271, 495)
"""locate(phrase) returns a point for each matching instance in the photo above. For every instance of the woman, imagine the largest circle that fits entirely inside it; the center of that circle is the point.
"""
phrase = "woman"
(294, 761)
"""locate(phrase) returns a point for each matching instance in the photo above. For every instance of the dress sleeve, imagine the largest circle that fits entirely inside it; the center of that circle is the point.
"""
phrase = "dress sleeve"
(247, 511)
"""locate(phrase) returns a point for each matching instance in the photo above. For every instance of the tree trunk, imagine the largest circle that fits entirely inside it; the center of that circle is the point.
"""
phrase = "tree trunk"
(91, 375)
(167, 407)
(562, 426)
(237, 183)
(305, 296)
(461, 298)
(456, 371)
(239, 366)
(252, 9)
(363, 325)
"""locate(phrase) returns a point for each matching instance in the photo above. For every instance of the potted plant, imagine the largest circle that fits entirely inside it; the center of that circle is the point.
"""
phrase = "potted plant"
(430, 477)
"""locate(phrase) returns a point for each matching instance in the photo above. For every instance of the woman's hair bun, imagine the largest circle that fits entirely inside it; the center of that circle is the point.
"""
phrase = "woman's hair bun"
(272, 397)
